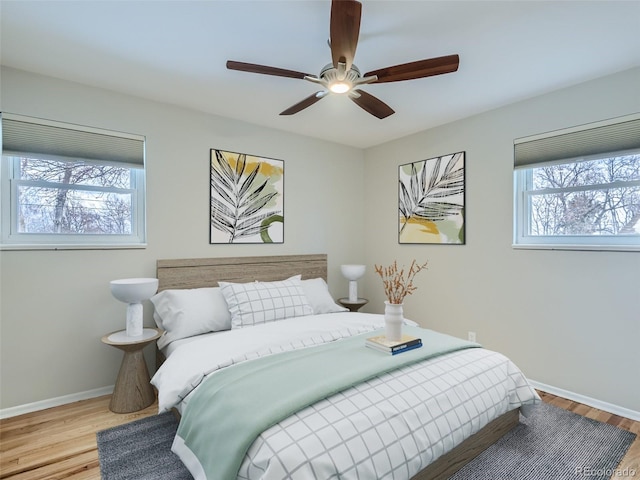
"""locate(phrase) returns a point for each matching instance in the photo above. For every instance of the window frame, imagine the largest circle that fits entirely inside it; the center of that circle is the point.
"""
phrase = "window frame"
(522, 184)
(11, 239)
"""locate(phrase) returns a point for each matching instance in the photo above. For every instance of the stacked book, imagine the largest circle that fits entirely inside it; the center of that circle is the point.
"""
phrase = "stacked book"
(381, 343)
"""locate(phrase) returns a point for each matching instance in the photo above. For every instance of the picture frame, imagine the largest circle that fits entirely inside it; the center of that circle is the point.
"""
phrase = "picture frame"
(431, 201)
(246, 198)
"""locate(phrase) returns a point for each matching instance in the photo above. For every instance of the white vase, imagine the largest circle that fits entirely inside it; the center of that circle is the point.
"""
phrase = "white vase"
(393, 321)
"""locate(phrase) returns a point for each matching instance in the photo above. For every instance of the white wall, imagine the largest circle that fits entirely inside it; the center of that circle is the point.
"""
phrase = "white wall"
(570, 319)
(56, 305)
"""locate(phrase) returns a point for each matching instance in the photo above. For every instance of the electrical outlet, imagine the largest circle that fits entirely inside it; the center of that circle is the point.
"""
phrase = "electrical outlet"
(472, 336)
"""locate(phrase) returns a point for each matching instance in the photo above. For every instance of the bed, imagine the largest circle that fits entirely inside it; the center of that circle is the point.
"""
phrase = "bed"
(424, 420)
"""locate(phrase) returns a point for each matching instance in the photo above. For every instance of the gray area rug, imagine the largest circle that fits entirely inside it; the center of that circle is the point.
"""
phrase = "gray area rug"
(141, 450)
(551, 444)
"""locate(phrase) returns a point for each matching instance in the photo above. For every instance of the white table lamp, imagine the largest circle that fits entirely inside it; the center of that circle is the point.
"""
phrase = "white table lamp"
(134, 291)
(353, 273)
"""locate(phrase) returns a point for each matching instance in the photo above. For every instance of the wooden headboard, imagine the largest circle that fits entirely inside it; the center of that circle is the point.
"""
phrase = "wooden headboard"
(206, 272)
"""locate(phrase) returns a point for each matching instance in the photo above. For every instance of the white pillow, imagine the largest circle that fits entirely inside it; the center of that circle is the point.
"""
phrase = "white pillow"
(189, 312)
(262, 302)
(319, 298)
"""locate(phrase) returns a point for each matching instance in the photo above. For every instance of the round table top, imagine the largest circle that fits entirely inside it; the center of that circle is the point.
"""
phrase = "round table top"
(359, 301)
(121, 338)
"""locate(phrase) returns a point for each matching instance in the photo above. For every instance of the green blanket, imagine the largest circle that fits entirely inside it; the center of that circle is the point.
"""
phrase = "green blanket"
(236, 404)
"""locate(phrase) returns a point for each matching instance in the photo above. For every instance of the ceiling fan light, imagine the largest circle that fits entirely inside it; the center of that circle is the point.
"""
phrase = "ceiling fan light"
(340, 87)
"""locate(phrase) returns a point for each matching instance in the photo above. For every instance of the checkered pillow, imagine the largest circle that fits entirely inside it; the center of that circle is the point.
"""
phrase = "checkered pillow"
(261, 302)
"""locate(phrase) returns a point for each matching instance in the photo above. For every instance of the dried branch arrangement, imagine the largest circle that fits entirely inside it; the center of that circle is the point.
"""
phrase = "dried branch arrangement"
(396, 284)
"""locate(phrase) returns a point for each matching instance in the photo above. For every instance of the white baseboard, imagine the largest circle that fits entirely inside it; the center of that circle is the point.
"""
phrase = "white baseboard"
(54, 402)
(98, 392)
(592, 402)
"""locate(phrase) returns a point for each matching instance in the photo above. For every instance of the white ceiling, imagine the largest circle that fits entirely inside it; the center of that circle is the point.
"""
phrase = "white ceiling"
(175, 52)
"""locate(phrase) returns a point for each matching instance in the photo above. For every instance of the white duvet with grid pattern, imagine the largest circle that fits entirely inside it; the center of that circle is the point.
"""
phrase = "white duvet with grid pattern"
(390, 427)
(393, 426)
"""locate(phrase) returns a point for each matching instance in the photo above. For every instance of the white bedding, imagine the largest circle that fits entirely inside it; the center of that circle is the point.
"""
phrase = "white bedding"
(173, 346)
(389, 427)
(185, 367)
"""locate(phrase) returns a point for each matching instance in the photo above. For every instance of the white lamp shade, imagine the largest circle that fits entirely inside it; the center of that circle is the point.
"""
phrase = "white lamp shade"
(352, 272)
(134, 290)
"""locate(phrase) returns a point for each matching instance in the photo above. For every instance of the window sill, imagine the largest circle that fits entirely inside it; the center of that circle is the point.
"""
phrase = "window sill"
(603, 248)
(15, 247)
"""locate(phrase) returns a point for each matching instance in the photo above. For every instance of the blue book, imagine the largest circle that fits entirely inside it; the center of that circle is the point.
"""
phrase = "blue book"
(395, 350)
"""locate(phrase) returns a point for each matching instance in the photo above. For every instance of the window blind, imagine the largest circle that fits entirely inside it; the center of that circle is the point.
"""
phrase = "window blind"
(26, 135)
(615, 135)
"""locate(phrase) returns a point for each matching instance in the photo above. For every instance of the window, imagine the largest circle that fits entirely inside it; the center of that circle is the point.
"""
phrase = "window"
(579, 188)
(65, 186)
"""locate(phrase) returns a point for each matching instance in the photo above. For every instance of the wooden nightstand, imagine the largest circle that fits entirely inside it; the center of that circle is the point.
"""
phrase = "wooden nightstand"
(133, 391)
(353, 306)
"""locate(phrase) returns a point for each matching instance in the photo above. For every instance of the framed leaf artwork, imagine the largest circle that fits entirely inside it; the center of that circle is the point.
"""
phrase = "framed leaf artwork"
(431, 197)
(246, 198)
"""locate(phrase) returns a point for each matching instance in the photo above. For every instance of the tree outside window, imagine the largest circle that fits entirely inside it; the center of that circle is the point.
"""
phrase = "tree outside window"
(60, 197)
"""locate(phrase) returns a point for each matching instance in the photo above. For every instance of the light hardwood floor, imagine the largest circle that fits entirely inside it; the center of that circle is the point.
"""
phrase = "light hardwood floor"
(61, 442)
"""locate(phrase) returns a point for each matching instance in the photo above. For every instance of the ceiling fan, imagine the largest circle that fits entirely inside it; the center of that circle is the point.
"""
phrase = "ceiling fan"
(342, 76)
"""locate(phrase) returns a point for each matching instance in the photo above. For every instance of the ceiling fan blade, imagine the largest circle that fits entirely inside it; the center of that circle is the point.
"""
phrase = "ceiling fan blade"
(344, 31)
(419, 69)
(265, 70)
(307, 102)
(372, 105)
